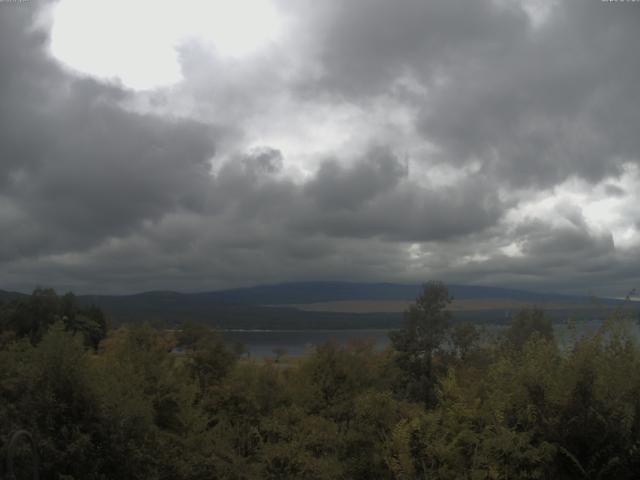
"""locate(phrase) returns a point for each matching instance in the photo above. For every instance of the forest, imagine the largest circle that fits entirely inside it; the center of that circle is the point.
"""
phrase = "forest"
(444, 401)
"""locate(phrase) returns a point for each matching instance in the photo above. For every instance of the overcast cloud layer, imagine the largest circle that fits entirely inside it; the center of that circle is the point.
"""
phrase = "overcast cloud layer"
(486, 142)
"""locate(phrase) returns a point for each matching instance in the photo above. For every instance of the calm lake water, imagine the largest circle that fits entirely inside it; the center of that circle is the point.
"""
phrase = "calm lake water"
(260, 343)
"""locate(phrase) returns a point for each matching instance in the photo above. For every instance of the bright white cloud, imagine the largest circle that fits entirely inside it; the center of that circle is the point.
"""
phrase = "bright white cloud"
(577, 201)
(135, 41)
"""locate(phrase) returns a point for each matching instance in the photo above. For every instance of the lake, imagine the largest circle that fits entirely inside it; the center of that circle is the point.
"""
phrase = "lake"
(260, 343)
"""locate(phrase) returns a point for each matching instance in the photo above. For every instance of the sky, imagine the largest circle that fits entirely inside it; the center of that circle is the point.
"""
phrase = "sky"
(196, 145)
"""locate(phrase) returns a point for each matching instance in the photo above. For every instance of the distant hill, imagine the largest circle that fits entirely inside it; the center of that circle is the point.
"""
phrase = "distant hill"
(301, 305)
(315, 292)
(6, 296)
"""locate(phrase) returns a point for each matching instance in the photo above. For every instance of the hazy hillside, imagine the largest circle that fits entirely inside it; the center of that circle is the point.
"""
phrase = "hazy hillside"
(325, 305)
(6, 296)
(315, 292)
(286, 305)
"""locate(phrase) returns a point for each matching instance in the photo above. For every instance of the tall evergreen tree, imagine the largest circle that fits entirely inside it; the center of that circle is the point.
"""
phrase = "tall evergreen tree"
(426, 325)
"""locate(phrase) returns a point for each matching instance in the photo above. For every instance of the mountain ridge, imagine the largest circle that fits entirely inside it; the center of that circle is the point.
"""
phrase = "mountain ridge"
(279, 305)
(322, 291)
(327, 291)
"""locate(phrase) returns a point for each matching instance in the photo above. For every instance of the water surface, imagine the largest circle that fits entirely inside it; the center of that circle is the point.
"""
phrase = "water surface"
(261, 343)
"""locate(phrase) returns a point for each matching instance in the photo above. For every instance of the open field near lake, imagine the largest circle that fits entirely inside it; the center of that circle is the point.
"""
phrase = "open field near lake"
(461, 305)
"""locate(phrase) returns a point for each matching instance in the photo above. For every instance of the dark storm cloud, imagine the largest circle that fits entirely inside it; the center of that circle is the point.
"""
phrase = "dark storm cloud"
(375, 196)
(493, 107)
(562, 245)
(559, 256)
(559, 103)
(338, 188)
(368, 44)
(76, 167)
(535, 104)
(259, 226)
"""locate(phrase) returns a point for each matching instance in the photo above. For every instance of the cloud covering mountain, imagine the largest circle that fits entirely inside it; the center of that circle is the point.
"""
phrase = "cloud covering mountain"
(489, 142)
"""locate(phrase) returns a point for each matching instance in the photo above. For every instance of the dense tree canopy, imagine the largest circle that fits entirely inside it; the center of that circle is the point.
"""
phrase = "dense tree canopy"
(427, 323)
(156, 404)
(31, 317)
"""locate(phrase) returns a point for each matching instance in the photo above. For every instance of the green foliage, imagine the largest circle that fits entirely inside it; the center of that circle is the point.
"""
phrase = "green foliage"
(528, 322)
(465, 338)
(426, 325)
(31, 317)
(153, 404)
(209, 359)
(279, 353)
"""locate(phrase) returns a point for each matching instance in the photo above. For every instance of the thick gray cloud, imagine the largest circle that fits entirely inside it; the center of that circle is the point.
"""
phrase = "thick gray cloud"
(535, 104)
(338, 188)
(76, 167)
(368, 44)
(469, 141)
(557, 103)
(375, 196)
